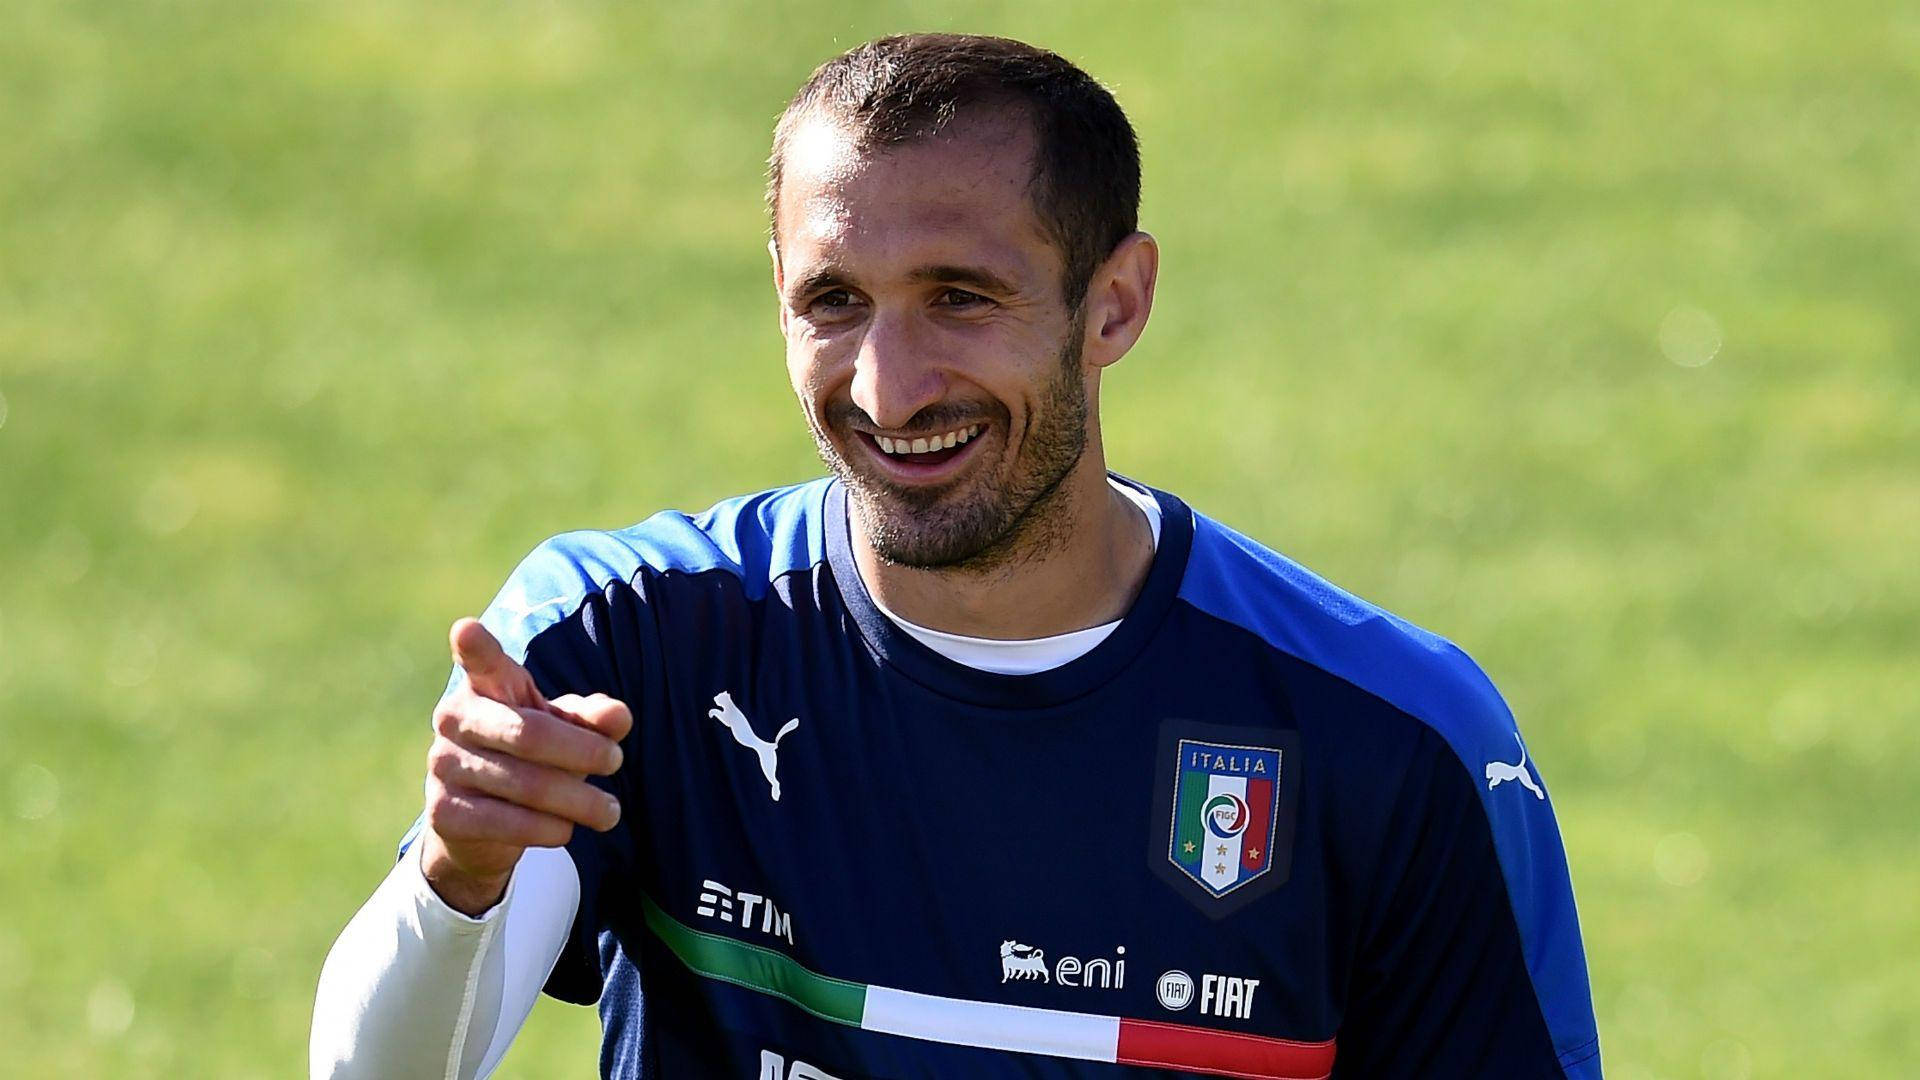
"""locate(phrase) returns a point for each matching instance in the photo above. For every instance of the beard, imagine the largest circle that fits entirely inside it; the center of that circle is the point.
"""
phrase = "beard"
(990, 516)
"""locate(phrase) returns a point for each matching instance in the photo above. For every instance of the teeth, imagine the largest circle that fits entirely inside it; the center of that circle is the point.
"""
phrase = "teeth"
(921, 446)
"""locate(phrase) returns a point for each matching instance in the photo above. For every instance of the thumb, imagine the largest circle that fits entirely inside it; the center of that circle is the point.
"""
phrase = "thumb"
(490, 671)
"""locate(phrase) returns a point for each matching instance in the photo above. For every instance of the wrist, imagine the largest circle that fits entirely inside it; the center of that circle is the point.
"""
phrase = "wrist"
(470, 894)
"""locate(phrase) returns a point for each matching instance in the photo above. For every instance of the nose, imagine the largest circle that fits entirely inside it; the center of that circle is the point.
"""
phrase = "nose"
(895, 373)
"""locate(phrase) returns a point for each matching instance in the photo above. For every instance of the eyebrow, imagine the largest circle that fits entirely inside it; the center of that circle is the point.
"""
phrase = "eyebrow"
(979, 277)
(824, 278)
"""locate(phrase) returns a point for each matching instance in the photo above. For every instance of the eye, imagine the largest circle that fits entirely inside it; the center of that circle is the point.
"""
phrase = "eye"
(833, 303)
(961, 298)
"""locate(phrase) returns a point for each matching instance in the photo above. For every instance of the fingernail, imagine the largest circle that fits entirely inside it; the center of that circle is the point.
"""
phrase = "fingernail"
(619, 756)
(613, 808)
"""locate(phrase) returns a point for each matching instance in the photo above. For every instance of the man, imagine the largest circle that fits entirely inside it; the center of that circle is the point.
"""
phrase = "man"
(974, 760)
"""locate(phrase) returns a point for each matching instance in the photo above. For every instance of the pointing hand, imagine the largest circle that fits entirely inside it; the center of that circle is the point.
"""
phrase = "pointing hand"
(507, 771)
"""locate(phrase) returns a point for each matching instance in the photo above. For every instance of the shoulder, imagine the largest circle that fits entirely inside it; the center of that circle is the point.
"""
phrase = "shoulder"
(755, 538)
(1238, 580)
(1429, 679)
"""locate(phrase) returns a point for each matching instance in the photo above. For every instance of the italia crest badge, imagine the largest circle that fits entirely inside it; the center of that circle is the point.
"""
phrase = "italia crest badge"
(1229, 810)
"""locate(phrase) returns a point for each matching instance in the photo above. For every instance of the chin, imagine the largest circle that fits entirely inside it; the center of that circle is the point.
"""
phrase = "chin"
(928, 529)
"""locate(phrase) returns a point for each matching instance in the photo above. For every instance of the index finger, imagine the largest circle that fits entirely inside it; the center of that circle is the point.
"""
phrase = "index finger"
(490, 671)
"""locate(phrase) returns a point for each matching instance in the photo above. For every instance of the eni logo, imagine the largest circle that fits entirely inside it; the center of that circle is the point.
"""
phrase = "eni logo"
(1020, 962)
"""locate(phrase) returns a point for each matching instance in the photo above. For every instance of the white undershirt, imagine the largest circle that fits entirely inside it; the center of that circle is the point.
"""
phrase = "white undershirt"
(415, 988)
(1031, 655)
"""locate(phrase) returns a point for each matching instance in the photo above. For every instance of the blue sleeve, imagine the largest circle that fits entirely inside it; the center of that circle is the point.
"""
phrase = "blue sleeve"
(568, 613)
(1446, 986)
(556, 615)
(581, 613)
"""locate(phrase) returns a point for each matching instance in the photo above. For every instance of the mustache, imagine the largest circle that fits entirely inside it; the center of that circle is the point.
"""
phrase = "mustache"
(844, 415)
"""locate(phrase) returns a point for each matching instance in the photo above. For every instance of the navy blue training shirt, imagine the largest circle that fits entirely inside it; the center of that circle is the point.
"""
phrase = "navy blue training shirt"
(1264, 829)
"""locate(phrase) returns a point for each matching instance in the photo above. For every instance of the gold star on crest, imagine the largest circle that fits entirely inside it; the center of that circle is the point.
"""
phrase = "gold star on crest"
(1187, 847)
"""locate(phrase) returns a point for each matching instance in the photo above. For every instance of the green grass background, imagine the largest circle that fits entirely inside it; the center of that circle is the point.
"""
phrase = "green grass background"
(314, 317)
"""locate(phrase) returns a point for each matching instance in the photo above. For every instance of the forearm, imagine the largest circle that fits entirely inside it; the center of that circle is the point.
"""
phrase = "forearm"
(414, 988)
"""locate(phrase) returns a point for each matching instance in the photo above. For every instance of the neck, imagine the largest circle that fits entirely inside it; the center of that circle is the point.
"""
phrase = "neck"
(1081, 571)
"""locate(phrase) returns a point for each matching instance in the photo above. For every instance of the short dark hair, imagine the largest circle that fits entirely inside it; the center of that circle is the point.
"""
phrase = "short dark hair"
(894, 90)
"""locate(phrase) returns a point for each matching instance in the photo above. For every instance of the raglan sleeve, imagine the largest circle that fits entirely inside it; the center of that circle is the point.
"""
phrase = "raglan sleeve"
(1471, 964)
(563, 614)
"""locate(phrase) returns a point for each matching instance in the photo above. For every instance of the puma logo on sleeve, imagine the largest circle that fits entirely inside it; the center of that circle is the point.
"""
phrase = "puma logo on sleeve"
(1500, 771)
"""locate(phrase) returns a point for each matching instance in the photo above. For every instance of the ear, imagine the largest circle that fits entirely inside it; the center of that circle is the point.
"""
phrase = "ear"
(779, 284)
(1119, 299)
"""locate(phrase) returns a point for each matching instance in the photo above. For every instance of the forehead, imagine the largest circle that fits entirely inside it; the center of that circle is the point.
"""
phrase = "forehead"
(961, 197)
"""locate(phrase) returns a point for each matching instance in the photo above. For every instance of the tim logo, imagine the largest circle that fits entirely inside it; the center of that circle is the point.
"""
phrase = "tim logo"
(1499, 772)
(739, 906)
(1019, 961)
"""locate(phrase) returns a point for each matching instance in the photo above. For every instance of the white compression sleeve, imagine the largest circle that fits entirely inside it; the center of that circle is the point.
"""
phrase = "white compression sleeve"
(413, 988)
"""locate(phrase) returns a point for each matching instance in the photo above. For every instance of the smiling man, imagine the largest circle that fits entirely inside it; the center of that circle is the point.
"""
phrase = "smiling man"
(973, 759)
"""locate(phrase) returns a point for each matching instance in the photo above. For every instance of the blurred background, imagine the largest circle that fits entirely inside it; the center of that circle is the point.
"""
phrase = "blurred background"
(1586, 335)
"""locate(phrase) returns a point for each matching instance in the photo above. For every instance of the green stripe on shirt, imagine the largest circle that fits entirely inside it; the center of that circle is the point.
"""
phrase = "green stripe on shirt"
(759, 969)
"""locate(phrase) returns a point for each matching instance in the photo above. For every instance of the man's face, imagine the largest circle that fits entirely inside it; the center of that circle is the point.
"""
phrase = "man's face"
(928, 338)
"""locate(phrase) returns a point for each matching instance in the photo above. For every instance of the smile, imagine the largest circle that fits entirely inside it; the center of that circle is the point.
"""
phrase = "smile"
(931, 444)
(923, 459)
